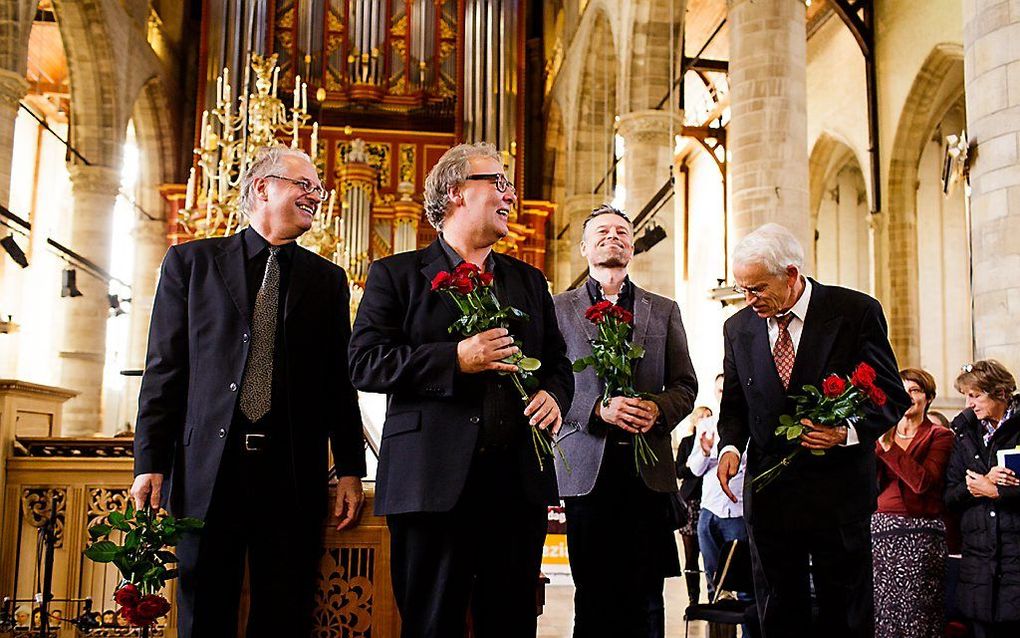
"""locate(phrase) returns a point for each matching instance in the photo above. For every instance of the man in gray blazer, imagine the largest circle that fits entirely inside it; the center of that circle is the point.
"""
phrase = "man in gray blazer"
(619, 532)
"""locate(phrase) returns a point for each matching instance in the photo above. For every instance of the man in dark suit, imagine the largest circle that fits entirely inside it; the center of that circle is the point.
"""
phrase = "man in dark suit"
(814, 520)
(613, 507)
(458, 479)
(245, 382)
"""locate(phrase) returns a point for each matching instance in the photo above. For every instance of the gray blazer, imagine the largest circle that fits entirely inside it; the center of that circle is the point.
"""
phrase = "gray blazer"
(665, 372)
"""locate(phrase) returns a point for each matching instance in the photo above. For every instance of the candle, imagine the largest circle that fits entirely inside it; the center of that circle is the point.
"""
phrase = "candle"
(189, 197)
(297, 91)
(293, 143)
(276, 76)
(219, 90)
(315, 141)
(304, 97)
(332, 200)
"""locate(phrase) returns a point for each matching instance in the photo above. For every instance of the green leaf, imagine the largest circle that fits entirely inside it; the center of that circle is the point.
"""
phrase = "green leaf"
(786, 420)
(794, 431)
(129, 511)
(188, 524)
(115, 518)
(132, 540)
(102, 551)
(166, 556)
(529, 364)
(818, 452)
(581, 364)
(636, 352)
(99, 530)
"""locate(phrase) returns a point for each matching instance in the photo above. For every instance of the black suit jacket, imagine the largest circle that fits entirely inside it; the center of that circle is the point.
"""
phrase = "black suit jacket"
(198, 345)
(843, 328)
(401, 346)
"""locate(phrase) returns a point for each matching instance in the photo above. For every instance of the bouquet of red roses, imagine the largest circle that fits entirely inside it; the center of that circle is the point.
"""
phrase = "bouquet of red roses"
(480, 310)
(840, 399)
(142, 558)
(613, 356)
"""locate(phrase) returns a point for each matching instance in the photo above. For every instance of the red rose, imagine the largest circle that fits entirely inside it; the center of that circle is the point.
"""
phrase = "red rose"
(833, 386)
(863, 376)
(486, 278)
(467, 268)
(462, 283)
(623, 315)
(597, 312)
(441, 280)
(127, 595)
(876, 395)
(149, 608)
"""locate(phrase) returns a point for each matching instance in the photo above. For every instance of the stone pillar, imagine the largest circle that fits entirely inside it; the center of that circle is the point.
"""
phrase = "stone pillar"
(12, 88)
(151, 243)
(768, 128)
(567, 262)
(992, 76)
(94, 189)
(647, 157)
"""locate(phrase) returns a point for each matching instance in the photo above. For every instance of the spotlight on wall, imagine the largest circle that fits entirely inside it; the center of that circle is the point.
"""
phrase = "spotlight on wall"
(69, 281)
(115, 308)
(14, 250)
(652, 235)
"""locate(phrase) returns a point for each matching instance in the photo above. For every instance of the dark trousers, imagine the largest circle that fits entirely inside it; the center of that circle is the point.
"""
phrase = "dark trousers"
(836, 560)
(483, 558)
(996, 630)
(621, 548)
(282, 553)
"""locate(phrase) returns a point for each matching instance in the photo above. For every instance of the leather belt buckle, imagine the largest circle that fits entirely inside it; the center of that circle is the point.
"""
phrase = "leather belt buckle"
(254, 442)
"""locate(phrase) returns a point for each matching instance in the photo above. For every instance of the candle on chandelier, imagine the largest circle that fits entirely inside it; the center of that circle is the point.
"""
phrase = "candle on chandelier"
(304, 97)
(297, 91)
(189, 197)
(276, 77)
(293, 142)
(332, 200)
(219, 90)
(315, 141)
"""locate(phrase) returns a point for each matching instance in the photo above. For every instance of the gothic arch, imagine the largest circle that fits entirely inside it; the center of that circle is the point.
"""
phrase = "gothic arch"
(15, 25)
(155, 135)
(937, 86)
(596, 108)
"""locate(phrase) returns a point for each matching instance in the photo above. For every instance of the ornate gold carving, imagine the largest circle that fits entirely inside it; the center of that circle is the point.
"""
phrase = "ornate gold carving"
(285, 15)
(399, 28)
(378, 158)
(407, 163)
(35, 508)
(344, 599)
(103, 501)
(333, 21)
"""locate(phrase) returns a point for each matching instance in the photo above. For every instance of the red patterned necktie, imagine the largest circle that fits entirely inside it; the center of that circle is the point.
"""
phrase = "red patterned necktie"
(782, 352)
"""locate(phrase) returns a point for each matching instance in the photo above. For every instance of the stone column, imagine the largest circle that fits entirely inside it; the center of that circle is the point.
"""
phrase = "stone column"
(647, 157)
(992, 76)
(768, 129)
(94, 190)
(566, 261)
(12, 88)
(151, 243)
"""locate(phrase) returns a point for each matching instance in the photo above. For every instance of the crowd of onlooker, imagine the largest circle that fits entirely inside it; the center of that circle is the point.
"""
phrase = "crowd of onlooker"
(946, 532)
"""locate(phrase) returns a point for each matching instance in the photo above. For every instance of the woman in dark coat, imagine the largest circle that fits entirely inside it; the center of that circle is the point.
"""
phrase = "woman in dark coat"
(690, 494)
(987, 496)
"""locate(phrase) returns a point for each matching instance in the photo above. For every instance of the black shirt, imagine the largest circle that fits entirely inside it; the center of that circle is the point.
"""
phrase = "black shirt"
(502, 407)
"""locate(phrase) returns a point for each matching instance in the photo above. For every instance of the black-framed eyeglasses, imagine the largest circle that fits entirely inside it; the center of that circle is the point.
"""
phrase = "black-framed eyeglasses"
(307, 186)
(499, 179)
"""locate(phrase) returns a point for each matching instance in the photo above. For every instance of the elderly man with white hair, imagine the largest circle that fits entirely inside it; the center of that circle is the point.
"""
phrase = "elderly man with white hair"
(811, 525)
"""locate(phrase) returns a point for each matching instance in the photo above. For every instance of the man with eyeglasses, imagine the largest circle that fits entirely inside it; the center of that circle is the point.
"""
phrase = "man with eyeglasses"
(812, 525)
(458, 481)
(246, 384)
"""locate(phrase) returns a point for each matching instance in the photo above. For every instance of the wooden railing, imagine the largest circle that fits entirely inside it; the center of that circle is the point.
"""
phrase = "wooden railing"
(88, 479)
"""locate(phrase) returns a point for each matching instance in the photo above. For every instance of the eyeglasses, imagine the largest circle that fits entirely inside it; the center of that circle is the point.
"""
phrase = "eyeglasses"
(307, 186)
(754, 291)
(499, 179)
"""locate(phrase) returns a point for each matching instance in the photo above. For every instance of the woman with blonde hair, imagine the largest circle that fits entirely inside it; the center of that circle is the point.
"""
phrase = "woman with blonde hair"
(908, 531)
(987, 496)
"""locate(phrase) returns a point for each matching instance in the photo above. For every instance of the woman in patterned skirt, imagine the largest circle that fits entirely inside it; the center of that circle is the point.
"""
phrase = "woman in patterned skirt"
(908, 532)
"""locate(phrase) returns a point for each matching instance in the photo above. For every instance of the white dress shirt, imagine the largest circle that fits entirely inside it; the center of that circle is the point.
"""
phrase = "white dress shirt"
(712, 497)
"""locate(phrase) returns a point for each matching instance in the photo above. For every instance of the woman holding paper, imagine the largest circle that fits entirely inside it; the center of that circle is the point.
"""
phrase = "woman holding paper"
(987, 495)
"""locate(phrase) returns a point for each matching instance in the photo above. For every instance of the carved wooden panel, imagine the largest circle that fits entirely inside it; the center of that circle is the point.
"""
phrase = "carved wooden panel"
(346, 594)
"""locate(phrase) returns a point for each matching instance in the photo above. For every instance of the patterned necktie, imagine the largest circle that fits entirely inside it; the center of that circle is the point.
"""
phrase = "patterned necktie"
(782, 352)
(257, 387)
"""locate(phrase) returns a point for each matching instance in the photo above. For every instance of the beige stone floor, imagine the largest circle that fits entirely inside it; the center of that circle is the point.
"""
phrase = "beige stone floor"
(557, 621)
